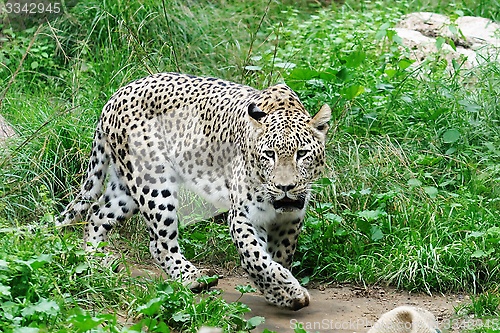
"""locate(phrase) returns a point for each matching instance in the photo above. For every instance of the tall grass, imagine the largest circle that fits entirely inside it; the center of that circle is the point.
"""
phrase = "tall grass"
(414, 168)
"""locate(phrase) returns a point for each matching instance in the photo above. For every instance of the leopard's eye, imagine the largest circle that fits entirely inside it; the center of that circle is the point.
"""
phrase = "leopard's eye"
(302, 153)
(269, 153)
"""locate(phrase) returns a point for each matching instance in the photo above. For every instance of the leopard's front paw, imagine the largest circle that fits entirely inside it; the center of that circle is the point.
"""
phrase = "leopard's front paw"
(300, 301)
(290, 297)
(203, 279)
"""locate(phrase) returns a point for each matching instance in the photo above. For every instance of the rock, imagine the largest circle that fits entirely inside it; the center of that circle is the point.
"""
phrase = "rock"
(479, 30)
(5, 130)
(421, 46)
(406, 319)
(426, 23)
(474, 38)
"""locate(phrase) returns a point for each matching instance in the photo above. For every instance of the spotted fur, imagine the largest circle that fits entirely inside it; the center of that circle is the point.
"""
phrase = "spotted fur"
(252, 152)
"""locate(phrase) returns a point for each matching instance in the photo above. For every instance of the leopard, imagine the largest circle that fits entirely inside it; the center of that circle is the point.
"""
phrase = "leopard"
(255, 153)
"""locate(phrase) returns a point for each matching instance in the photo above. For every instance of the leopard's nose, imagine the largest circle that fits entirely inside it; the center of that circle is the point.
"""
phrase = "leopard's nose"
(286, 188)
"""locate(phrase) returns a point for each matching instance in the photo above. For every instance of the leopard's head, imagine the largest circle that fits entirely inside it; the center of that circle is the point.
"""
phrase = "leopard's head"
(289, 146)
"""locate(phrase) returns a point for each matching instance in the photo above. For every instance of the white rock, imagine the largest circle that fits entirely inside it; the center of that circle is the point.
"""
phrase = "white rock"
(475, 38)
(479, 30)
(424, 21)
(5, 130)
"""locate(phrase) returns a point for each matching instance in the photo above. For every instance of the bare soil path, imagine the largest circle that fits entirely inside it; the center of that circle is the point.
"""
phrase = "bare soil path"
(339, 309)
(336, 309)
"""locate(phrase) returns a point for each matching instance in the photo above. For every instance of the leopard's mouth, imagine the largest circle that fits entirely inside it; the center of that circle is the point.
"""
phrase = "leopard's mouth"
(288, 204)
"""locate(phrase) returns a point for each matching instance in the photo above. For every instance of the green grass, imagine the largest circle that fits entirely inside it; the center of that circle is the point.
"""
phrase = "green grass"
(47, 282)
(410, 197)
(413, 187)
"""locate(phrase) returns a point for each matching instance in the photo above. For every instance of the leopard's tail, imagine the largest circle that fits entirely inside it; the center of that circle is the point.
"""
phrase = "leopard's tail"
(92, 186)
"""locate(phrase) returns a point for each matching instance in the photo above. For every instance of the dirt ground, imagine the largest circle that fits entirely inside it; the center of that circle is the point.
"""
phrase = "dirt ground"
(339, 309)
(342, 309)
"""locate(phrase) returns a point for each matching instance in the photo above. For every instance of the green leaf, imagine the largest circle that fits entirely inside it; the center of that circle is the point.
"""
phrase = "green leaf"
(333, 217)
(384, 86)
(343, 74)
(439, 42)
(303, 74)
(4, 290)
(428, 160)
(39, 261)
(453, 29)
(355, 59)
(390, 72)
(34, 65)
(150, 323)
(396, 39)
(452, 44)
(352, 91)
(382, 31)
(152, 307)
(254, 322)
(26, 330)
(488, 145)
(102, 245)
(84, 322)
(305, 280)
(253, 68)
(390, 34)
(285, 65)
(493, 231)
(470, 106)
(162, 328)
(245, 289)
(413, 182)
(365, 191)
(431, 191)
(476, 234)
(371, 215)
(49, 308)
(450, 151)
(451, 135)
(325, 181)
(405, 63)
(327, 76)
(376, 233)
(207, 279)
(181, 317)
(478, 254)
(299, 329)
(81, 268)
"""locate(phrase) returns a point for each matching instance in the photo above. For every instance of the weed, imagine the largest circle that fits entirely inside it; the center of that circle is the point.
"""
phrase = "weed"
(484, 305)
(48, 282)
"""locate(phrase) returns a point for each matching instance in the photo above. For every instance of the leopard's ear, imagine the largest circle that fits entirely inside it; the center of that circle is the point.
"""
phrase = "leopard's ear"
(321, 119)
(255, 113)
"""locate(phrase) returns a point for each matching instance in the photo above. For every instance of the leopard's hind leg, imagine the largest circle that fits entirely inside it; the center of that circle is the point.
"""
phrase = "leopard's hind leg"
(114, 206)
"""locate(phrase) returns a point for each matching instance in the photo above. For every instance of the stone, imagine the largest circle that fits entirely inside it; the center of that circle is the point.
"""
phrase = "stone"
(5, 130)
(475, 38)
